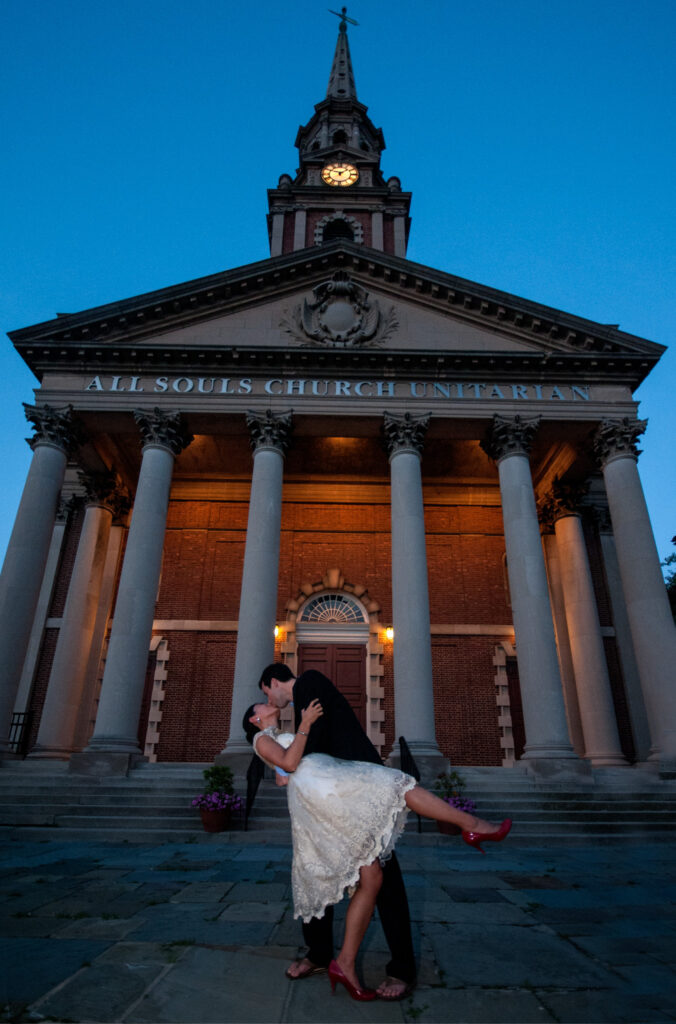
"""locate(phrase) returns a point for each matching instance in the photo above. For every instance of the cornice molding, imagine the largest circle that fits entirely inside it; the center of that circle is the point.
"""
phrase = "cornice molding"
(142, 320)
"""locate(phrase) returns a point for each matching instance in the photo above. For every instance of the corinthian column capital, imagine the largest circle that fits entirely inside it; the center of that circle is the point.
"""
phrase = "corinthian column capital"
(104, 488)
(617, 438)
(57, 427)
(165, 429)
(270, 430)
(510, 435)
(562, 500)
(404, 432)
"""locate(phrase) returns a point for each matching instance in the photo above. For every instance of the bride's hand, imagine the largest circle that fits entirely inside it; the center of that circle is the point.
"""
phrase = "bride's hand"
(311, 713)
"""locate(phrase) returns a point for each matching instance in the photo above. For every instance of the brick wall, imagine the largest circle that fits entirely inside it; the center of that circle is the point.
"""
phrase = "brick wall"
(198, 694)
(464, 694)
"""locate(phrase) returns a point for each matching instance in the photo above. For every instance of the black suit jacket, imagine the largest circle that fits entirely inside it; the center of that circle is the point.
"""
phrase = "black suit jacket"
(338, 731)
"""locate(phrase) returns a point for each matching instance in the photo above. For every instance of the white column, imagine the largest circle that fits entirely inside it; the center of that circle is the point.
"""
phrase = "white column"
(594, 694)
(400, 236)
(56, 736)
(413, 686)
(116, 729)
(553, 564)
(299, 230)
(270, 435)
(44, 601)
(625, 647)
(377, 237)
(277, 237)
(509, 442)
(650, 620)
(28, 548)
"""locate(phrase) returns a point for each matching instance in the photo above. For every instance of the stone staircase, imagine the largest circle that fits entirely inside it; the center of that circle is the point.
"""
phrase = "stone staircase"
(153, 804)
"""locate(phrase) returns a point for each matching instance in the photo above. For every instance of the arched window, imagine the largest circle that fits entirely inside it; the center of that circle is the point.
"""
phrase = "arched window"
(331, 608)
(339, 136)
(337, 229)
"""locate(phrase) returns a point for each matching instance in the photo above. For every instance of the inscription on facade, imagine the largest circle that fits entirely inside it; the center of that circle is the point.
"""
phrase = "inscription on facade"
(333, 388)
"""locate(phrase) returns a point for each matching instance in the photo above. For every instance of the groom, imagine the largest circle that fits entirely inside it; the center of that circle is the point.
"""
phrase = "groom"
(339, 733)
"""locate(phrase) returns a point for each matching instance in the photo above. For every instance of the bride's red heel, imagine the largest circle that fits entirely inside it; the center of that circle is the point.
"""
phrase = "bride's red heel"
(476, 838)
(336, 974)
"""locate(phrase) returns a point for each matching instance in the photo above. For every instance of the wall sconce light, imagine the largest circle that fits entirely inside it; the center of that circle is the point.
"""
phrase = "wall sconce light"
(389, 633)
(276, 632)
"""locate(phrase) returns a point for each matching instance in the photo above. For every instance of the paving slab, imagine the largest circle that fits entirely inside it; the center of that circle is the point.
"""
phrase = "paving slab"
(602, 1008)
(512, 955)
(475, 1006)
(30, 967)
(574, 935)
(212, 986)
(102, 993)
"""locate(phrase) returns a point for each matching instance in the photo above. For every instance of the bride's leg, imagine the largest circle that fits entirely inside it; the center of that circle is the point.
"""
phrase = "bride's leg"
(359, 914)
(430, 806)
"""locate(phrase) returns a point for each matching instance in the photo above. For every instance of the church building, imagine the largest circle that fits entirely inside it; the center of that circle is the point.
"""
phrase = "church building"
(424, 487)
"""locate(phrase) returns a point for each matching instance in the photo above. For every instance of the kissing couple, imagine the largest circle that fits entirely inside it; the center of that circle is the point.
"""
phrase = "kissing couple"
(347, 810)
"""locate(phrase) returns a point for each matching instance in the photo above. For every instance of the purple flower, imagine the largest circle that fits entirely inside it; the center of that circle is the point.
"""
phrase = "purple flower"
(218, 802)
(462, 803)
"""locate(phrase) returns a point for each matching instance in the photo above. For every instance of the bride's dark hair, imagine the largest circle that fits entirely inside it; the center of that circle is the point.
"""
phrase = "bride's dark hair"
(250, 729)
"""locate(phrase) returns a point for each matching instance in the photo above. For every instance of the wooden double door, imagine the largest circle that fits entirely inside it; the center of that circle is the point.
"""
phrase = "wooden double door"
(345, 666)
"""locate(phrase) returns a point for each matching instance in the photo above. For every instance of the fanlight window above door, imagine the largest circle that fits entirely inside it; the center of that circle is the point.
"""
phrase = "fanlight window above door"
(332, 608)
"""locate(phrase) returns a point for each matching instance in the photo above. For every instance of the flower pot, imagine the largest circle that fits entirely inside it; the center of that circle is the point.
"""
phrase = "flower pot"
(215, 821)
(447, 829)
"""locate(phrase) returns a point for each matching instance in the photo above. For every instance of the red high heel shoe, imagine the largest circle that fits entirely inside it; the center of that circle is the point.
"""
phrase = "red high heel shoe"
(364, 995)
(476, 838)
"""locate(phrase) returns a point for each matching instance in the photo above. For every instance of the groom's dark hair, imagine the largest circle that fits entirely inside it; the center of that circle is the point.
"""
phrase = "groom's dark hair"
(275, 671)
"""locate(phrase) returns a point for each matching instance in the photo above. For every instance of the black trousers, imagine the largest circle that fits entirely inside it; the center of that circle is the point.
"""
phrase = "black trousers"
(393, 909)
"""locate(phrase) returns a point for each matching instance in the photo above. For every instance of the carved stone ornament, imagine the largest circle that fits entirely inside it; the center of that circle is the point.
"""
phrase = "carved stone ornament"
(54, 426)
(617, 437)
(341, 315)
(167, 429)
(270, 430)
(562, 500)
(601, 514)
(510, 435)
(104, 488)
(404, 431)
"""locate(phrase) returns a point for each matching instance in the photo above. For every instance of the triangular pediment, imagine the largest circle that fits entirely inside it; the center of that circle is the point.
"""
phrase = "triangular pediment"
(276, 306)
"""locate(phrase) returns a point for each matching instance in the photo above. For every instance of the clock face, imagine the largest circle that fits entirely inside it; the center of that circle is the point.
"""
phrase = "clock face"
(340, 174)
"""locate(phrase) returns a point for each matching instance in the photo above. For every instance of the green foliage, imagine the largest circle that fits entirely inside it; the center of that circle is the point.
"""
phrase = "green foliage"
(449, 784)
(219, 779)
(670, 578)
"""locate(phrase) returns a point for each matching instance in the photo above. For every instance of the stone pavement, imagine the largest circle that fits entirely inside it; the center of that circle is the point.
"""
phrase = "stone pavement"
(201, 932)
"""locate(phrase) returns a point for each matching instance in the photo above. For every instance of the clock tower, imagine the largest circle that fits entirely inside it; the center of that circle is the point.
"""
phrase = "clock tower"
(339, 190)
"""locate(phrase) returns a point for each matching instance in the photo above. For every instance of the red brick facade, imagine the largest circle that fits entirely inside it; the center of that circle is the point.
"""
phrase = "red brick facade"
(201, 579)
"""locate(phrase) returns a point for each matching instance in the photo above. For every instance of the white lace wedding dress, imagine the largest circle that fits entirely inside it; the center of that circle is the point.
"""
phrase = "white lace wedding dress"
(344, 815)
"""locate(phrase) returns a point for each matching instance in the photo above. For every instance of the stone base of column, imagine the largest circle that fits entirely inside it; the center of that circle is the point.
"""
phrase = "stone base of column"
(611, 760)
(238, 761)
(559, 768)
(428, 758)
(658, 765)
(104, 762)
(41, 750)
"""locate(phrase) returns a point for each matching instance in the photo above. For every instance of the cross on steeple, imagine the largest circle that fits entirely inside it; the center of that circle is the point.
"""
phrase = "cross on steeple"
(343, 19)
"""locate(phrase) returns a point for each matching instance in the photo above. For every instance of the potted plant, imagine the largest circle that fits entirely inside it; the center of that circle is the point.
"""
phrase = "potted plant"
(450, 787)
(219, 801)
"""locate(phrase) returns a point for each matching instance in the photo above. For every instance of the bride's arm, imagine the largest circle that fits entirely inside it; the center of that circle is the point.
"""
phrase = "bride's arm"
(289, 759)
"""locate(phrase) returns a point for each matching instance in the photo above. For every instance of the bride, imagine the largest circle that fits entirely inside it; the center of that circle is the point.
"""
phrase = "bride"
(346, 817)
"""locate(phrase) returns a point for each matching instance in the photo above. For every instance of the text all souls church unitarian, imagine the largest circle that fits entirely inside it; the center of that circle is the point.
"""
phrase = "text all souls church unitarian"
(424, 487)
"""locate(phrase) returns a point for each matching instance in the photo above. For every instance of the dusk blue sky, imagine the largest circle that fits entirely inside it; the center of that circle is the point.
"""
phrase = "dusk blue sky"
(537, 137)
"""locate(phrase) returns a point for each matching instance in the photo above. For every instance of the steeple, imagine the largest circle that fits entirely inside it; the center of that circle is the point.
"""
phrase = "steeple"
(341, 79)
(339, 190)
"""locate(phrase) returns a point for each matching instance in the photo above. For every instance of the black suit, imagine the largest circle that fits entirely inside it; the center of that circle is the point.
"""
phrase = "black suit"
(339, 733)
